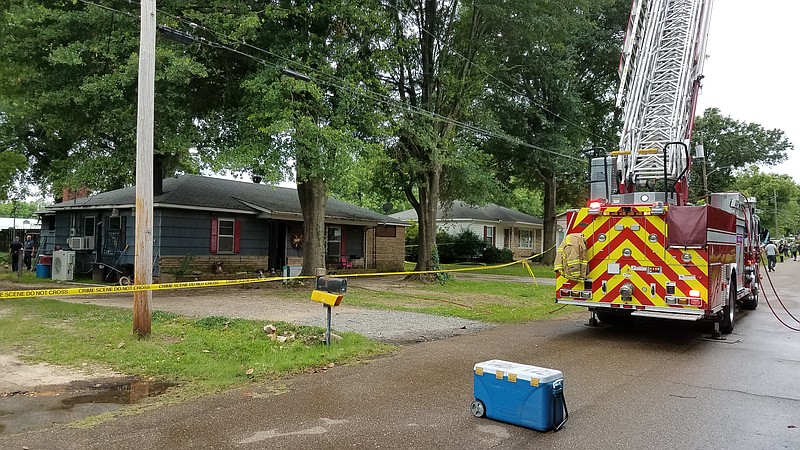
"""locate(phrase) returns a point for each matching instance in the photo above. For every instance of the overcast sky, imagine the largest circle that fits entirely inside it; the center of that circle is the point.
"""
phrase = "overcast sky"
(752, 70)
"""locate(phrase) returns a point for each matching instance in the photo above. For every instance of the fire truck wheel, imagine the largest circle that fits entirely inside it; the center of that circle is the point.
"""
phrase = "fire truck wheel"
(751, 301)
(729, 312)
(478, 409)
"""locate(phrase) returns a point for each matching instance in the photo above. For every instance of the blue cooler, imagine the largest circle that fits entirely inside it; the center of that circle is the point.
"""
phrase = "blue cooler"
(519, 394)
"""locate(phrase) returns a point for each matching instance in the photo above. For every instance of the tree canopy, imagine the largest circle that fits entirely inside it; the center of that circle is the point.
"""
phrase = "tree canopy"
(731, 145)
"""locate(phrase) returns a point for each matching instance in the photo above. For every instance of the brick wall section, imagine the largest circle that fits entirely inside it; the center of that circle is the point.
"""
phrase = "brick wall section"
(206, 264)
(389, 252)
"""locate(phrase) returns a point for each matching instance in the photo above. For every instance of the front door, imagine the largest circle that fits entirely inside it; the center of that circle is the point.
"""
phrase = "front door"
(276, 245)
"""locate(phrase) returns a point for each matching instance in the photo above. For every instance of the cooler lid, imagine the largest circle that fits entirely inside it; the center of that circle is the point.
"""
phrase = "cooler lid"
(522, 371)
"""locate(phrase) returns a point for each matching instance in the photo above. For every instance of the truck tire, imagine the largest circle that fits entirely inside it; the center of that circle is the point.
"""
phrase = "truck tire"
(729, 312)
(751, 301)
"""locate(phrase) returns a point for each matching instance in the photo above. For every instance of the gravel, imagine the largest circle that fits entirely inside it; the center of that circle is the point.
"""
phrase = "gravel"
(269, 306)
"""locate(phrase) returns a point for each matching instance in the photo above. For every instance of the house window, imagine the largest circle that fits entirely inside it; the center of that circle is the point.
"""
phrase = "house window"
(526, 239)
(488, 235)
(225, 235)
(88, 226)
(334, 241)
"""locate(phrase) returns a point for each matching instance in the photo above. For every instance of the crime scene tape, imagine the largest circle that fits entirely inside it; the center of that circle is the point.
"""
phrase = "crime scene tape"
(89, 290)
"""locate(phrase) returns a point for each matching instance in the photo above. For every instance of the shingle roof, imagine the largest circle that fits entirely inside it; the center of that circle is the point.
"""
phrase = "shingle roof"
(216, 193)
(463, 211)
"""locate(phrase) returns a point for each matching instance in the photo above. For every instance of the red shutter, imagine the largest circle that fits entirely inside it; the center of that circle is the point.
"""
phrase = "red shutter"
(237, 233)
(214, 231)
(484, 233)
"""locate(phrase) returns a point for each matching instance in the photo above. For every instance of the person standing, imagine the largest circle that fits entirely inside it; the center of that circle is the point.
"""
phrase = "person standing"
(771, 251)
(16, 246)
(28, 252)
(794, 251)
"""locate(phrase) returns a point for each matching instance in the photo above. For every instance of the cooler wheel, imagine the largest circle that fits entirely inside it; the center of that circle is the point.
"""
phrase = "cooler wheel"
(478, 409)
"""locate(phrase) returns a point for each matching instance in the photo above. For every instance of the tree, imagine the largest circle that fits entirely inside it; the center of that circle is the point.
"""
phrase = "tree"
(777, 196)
(68, 92)
(435, 77)
(553, 88)
(315, 125)
(731, 145)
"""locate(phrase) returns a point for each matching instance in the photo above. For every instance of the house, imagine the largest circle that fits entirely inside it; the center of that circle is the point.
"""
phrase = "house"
(203, 224)
(499, 226)
(19, 227)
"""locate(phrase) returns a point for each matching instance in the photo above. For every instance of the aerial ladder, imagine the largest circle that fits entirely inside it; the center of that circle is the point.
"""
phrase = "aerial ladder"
(660, 69)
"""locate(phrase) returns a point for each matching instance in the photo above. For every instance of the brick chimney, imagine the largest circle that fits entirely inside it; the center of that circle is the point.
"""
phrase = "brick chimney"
(70, 194)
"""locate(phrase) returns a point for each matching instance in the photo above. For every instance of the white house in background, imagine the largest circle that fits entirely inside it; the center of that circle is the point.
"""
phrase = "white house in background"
(499, 226)
(561, 227)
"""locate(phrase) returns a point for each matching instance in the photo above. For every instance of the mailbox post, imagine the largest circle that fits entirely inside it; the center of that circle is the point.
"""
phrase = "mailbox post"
(329, 292)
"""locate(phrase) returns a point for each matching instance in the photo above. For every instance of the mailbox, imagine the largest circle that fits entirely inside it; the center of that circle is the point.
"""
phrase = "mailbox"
(332, 285)
(326, 298)
(329, 292)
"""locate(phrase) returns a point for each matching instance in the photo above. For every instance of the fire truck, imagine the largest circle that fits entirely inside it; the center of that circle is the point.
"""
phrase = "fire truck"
(640, 247)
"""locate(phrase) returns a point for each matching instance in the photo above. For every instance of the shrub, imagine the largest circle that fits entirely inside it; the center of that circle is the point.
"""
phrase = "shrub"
(468, 246)
(412, 241)
(445, 245)
(494, 255)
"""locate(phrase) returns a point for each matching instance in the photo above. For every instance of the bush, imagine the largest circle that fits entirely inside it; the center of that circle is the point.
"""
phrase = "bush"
(494, 255)
(412, 242)
(465, 246)
(468, 246)
(445, 244)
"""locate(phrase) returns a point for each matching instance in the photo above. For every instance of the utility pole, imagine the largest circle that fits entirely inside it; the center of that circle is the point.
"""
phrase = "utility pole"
(143, 263)
(775, 199)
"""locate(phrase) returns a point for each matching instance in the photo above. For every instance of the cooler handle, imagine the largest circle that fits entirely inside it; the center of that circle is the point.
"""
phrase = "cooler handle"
(566, 413)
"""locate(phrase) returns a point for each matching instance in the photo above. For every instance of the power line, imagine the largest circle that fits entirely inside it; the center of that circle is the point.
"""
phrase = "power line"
(183, 36)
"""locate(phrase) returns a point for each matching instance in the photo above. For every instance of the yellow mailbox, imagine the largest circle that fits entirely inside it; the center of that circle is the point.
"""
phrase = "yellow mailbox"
(327, 298)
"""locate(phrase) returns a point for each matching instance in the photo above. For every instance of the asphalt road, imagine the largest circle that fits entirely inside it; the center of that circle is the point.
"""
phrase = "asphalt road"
(652, 385)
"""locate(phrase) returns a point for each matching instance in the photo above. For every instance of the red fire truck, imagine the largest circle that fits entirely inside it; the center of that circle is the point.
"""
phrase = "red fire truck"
(640, 247)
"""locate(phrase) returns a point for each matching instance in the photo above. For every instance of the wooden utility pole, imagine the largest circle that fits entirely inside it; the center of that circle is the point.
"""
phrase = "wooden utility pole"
(143, 264)
(775, 199)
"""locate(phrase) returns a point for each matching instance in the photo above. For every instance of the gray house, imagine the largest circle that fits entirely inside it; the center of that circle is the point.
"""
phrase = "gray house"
(499, 226)
(209, 225)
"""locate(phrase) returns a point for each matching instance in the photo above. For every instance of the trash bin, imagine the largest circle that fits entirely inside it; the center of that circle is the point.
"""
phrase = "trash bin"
(99, 273)
(528, 396)
(43, 270)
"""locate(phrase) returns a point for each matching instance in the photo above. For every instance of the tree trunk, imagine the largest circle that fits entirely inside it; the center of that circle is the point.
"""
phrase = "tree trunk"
(313, 194)
(426, 212)
(549, 238)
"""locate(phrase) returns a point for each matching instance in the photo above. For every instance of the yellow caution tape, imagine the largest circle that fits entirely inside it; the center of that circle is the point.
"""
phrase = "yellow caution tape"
(89, 290)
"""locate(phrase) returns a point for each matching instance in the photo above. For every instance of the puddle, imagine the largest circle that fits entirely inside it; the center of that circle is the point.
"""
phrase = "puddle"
(53, 405)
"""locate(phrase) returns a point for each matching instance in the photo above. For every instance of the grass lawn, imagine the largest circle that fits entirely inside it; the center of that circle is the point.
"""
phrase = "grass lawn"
(495, 302)
(517, 269)
(202, 355)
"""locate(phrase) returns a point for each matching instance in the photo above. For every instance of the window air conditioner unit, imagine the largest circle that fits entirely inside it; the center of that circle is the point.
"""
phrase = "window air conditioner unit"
(88, 243)
(75, 243)
(63, 265)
